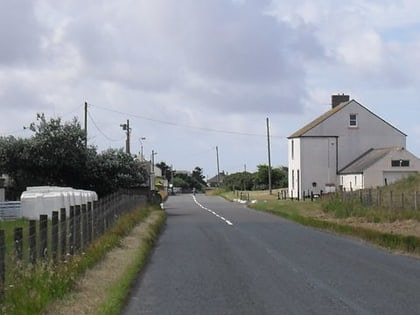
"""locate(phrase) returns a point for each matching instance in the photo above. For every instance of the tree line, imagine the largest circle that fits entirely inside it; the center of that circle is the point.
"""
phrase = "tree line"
(56, 155)
(257, 180)
(185, 181)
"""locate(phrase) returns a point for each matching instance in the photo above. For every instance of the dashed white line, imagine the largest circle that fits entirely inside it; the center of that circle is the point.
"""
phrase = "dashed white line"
(212, 212)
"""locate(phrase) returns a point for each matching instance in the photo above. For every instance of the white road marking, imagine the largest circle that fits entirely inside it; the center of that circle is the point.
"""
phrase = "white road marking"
(212, 212)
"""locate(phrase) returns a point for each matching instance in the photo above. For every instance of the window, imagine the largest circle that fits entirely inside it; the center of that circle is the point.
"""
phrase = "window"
(293, 149)
(400, 163)
(353, 120)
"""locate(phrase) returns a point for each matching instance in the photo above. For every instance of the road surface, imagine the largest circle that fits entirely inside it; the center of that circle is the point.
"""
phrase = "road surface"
(217, 257)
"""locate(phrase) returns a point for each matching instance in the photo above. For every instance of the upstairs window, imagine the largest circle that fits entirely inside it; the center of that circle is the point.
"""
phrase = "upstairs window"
(353, 120)
(400, 163)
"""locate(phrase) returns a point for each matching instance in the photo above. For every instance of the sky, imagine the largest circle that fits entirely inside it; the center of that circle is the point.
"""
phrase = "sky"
(195, 75)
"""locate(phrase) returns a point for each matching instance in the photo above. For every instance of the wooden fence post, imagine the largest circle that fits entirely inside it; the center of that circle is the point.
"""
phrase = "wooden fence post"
(43, 236)
(84, 227)
(89, 235)
(402, 200)
(54, 235)
(101, 218)
(63, 233)
(95, 216)
(2, 263)
(77, 229)
(390, 200)
(71, 230)
(18, 243)
(32, 241)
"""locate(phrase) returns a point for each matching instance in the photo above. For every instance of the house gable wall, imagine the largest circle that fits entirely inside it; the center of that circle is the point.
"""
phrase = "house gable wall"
(329, 143)
(370, 132)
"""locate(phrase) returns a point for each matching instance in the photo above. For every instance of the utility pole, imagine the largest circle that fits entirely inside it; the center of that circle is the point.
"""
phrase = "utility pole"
(218, 171)
(269, 156)
(152, 171)
(127, 128)
(141, 148)
(86, 112)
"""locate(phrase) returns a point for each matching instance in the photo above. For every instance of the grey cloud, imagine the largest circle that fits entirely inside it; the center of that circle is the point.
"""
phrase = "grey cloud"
(231, 47)
(17, 95)
(20, 33)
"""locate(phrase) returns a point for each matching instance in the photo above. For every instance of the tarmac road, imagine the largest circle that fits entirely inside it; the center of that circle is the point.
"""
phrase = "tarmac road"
(217, 257)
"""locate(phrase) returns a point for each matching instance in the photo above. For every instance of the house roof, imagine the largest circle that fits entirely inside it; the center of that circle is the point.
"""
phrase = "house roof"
(301, 132)
(366, 160)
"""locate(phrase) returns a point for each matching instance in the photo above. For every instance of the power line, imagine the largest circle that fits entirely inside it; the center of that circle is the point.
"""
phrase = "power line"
(100, 131)
(183, 125)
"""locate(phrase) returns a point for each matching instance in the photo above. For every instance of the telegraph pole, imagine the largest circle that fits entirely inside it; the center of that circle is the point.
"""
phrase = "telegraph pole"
(128, 137)
(218, 171)
(86, 112)
(269, 156)
(127, 128)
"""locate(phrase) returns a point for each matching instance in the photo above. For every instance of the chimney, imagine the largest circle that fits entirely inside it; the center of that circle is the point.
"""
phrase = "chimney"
(338, 99)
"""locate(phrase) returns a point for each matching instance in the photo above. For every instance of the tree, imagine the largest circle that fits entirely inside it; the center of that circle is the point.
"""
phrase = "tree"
(198, 178)
(114, 169)
(166, 170)
(278, 177)
(17, 162)
(239, 181)
(59, 150)
(178, 181)
(56, 155)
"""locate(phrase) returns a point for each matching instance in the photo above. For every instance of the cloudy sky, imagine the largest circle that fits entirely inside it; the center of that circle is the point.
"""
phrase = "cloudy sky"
(193, 75)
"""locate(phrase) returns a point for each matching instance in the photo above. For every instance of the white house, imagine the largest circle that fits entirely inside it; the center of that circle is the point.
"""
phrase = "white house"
(333, 143)
(378, 167)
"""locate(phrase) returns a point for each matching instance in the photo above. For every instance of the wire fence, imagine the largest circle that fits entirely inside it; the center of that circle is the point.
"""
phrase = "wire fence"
(383, 199)
(62, 236)
(9, 210)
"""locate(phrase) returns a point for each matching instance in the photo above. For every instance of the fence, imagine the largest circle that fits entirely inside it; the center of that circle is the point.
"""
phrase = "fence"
(384, 199)
(9, 210)
(69, 235)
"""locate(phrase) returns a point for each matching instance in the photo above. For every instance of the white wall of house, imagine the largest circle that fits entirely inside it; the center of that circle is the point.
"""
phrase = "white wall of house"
(370, 132)
(317, 155)
(319, 160)
(383, 172)
(294, 166)
(352, 181)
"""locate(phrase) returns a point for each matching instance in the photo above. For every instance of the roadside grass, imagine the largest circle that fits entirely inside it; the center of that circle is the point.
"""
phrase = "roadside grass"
(353, 208)
(29, 288)
(315, 214)
(117, 293)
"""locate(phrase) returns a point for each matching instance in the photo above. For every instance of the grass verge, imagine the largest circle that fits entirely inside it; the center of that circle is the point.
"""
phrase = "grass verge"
(30, 288)
(117, 293)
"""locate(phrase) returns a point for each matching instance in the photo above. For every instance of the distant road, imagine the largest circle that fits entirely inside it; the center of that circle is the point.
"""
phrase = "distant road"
(217, 257)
